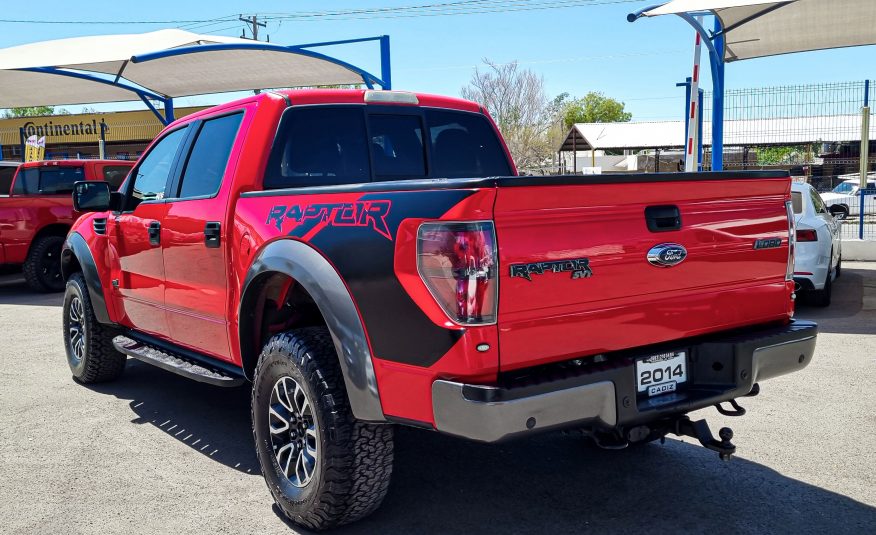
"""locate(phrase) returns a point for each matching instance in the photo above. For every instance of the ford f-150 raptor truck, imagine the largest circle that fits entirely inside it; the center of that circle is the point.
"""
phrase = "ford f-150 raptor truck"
(370, 258)
(36, 213)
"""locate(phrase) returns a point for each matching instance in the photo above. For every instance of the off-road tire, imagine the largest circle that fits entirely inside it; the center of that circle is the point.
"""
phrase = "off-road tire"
(42, 268)
(99, 361)
(354, 460)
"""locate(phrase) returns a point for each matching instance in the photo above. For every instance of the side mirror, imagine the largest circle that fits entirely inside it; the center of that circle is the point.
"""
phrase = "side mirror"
(92, 196)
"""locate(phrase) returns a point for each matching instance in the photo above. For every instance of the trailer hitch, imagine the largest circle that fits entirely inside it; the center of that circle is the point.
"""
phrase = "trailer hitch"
(700, 431)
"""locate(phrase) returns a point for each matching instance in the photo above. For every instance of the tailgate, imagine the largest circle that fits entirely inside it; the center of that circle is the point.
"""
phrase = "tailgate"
(582, 281)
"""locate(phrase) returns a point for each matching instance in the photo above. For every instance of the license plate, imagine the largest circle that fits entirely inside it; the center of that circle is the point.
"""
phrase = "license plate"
(661, 374)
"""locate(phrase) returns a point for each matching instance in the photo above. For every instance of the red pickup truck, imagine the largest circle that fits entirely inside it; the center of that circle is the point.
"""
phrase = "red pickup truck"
(36, 213)
(370, 258)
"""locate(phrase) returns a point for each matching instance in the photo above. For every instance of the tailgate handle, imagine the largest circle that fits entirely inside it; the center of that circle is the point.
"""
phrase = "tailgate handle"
(663, 218)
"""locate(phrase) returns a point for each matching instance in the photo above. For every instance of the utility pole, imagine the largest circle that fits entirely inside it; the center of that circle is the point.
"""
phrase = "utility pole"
(253, 23)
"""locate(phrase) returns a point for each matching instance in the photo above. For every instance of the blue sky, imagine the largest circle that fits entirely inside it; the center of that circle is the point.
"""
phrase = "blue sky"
(575, 49)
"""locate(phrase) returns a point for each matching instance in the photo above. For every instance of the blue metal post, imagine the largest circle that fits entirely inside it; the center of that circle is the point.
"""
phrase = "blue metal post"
(718, 101)
(700, 137)
(385, 69)
(168, 111)
(864, 151)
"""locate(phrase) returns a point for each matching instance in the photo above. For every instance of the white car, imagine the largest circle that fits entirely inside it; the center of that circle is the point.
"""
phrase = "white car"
(843, 200)
(818, 253)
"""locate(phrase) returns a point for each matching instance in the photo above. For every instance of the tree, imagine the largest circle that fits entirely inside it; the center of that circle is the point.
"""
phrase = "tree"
(33, 111)
(516, 99)
(593, 108)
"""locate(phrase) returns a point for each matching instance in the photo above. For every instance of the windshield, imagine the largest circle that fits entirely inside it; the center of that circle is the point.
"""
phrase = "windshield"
(845, 187)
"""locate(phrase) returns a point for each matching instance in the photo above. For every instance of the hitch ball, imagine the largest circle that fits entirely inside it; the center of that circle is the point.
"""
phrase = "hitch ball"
(726, 434)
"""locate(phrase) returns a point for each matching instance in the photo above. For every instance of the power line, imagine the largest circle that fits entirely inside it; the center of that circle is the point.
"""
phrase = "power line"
(469, 7)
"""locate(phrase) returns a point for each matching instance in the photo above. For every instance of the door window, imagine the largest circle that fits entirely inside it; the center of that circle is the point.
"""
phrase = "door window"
(817, 202)
(152, 174)
(47, 180)
(209, 157)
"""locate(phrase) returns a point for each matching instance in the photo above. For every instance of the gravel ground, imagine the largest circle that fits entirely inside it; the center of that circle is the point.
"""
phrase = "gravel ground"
(155, 453)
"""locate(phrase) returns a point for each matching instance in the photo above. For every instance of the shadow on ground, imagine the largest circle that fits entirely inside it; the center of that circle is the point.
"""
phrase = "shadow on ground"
(554, 483)
(844, 315)
(14, 291)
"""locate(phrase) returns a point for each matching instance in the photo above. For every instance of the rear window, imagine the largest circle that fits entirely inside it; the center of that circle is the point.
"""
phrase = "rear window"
(6, 174)
(797, 202)
(321, 146)
(115, 175)
(48, 180)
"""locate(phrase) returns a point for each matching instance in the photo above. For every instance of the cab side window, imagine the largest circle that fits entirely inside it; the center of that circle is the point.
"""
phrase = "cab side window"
(153, 172)
(6, 174)
(209, 157)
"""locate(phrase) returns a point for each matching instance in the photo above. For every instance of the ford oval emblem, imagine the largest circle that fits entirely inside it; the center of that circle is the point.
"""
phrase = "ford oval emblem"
(667, 255)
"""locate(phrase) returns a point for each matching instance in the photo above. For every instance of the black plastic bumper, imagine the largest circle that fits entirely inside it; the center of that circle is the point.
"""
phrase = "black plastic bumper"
(720, 367)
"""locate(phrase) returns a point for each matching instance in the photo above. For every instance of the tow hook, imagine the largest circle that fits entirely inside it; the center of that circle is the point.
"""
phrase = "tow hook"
(700, 431)
(737, 410)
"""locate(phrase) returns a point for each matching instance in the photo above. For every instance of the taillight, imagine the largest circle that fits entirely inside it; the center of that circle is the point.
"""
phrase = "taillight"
(792, 230)
(459, 264)
(806, 235)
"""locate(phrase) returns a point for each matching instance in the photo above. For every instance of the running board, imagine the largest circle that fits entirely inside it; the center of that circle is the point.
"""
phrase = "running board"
(172, 362)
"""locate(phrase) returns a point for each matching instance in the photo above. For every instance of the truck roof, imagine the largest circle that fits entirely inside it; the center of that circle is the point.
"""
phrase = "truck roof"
(298, 97)
(72, 163)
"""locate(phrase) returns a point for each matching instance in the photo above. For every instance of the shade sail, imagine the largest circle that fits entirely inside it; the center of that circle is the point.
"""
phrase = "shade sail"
(756, 29)
(164, 63)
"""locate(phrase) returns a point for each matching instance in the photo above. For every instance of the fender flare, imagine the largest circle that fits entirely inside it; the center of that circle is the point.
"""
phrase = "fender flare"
(76, 247)
(318, 277)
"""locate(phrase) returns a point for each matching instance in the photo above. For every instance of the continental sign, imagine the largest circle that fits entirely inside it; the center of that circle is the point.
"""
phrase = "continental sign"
(134, 126)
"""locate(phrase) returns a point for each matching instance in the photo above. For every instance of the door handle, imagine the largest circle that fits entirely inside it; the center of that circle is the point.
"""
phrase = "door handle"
(155, 233)
(663, 218)
(212, 234)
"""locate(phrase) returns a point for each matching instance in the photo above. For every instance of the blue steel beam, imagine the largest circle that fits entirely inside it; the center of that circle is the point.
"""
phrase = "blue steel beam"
(367, 78)
(715, 44)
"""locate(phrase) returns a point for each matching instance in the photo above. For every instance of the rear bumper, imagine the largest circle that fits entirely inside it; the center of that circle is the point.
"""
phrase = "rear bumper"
(721, 367)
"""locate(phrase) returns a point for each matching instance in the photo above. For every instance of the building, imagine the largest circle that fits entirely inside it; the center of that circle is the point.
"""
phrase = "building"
(126, 133)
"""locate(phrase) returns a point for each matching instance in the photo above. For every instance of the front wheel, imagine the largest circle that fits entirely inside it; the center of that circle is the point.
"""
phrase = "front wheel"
(323, 467)
(88, 343)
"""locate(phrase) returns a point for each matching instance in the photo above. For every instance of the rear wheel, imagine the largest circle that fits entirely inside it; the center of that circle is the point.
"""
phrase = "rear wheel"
(821, 298)
(323, 467)
(42, 268)
(89, 344)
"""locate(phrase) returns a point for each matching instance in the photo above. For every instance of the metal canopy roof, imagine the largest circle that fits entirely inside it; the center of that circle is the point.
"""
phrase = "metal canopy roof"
(165, 64)
(758, 28)
(749, 132)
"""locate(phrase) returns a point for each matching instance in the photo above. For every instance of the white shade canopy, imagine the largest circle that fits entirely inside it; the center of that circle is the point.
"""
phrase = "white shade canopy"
(162, 64)
(757, 28)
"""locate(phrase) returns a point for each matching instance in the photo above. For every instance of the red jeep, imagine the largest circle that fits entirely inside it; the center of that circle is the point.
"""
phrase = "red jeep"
(36, 213)
(370, 258)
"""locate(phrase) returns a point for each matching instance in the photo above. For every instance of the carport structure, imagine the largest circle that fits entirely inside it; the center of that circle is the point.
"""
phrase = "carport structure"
(746, 29)
(166, 64)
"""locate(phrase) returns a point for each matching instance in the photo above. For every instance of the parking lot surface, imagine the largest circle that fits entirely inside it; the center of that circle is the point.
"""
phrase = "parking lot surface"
(156, 453)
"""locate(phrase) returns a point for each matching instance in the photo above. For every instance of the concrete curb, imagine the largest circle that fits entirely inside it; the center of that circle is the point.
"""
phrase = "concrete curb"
(859, 250)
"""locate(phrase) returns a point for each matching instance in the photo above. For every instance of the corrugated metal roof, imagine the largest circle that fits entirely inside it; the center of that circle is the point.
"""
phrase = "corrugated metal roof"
(670, 134)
